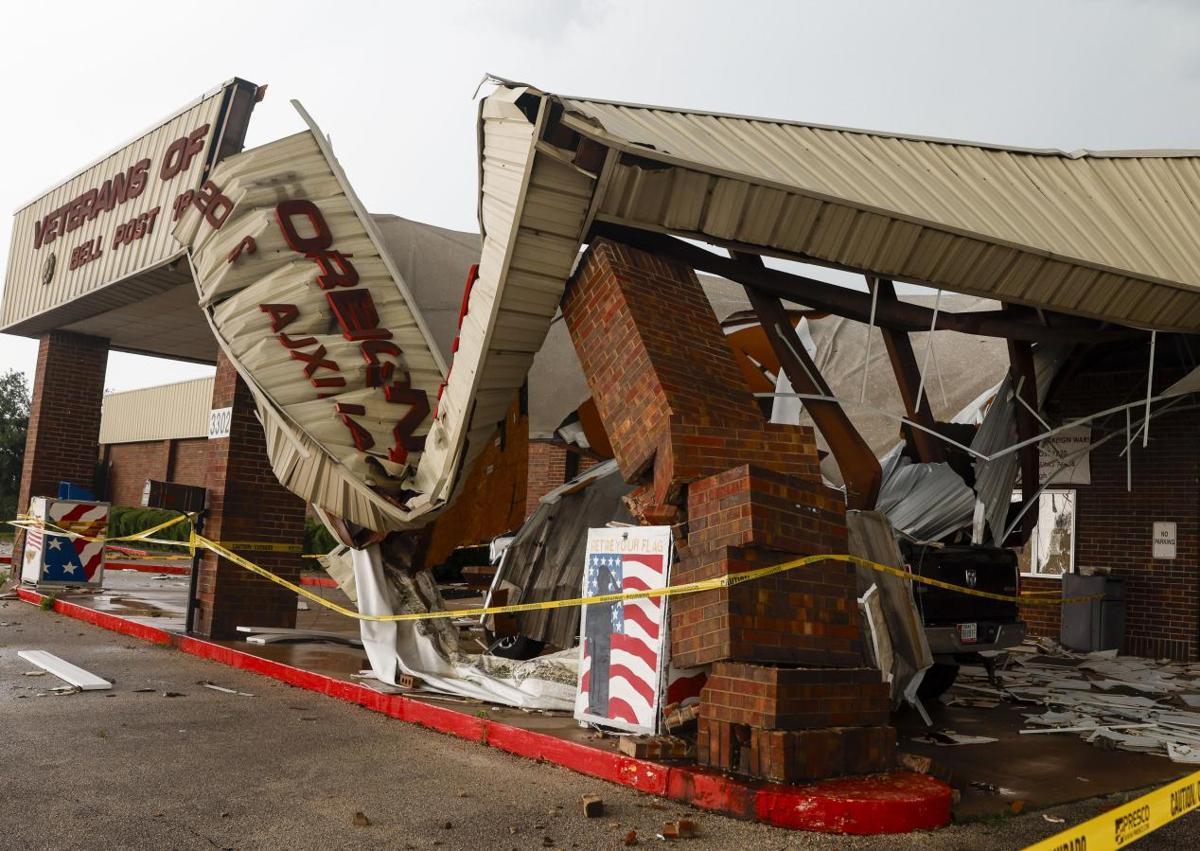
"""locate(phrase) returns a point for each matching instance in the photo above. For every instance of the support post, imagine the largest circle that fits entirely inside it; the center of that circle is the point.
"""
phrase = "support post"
(62, 442)
(908, 378)
(860, 468)
(252, 514)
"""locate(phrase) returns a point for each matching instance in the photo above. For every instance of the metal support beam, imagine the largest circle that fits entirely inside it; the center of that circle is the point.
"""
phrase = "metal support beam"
(908, 378)
(860, 468)
(853, 304)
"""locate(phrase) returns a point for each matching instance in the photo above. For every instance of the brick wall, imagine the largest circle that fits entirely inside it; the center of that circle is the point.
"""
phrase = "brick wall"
(1113, 526)
(547, 470)
(191, 461)
(1041, 620)
(130, 464)
(491, 500)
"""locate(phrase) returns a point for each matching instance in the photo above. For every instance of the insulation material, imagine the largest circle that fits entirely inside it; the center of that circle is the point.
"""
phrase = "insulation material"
(872, 538)
(429, 649)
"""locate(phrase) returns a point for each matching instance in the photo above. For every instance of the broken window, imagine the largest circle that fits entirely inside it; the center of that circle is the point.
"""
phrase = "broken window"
(1050, 550)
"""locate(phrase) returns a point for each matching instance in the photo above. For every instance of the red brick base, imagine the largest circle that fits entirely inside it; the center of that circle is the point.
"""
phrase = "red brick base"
(784, 756)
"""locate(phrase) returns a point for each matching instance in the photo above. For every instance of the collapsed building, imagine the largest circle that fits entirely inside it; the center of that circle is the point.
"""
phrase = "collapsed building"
(357, 382)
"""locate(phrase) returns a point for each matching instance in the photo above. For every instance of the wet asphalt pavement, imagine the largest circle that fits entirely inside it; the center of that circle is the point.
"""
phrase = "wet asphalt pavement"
(287, 768)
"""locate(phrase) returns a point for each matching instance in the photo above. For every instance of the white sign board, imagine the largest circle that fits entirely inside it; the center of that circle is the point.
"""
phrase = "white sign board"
(114, 219)
(291, 274)
(1064, 459)
(218, 422)
(623, 643)
(1164, 540)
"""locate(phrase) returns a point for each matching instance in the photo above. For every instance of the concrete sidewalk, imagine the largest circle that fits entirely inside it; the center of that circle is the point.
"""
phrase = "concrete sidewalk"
(288, 768)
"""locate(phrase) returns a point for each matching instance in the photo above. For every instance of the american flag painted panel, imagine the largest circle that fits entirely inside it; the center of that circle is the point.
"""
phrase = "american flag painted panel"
(52, 558)
(623, 643)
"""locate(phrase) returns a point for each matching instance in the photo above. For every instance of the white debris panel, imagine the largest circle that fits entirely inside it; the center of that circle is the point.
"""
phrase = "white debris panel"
(429, 649)
(1124, 702)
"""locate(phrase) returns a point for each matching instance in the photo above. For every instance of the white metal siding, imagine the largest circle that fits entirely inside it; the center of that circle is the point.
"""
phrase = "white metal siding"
(168, 411)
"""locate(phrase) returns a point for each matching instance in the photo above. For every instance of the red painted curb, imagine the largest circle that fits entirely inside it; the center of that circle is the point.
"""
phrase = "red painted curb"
(142, 567)
(318, 581)
(898, 802)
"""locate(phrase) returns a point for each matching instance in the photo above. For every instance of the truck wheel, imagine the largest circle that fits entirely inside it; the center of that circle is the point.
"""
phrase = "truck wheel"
(937, 680)
(516, 647)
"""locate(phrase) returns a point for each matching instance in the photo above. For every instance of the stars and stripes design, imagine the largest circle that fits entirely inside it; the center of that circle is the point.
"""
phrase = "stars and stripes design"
(633, 644)
(66, 558)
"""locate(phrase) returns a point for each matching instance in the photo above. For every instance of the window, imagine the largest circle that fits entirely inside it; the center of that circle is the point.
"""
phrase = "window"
(1050, 550)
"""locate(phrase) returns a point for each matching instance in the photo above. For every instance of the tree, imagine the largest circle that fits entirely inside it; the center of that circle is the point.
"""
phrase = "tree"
(14, 420)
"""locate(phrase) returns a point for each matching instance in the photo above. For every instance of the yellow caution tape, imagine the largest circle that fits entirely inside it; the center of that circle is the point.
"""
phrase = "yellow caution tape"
(222, 548)
(713, 584)
(264, 546)
(1129, 822)
(24, 521)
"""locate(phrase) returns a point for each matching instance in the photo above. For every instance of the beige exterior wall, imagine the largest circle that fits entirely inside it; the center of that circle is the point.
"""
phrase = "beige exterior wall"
(168, 411)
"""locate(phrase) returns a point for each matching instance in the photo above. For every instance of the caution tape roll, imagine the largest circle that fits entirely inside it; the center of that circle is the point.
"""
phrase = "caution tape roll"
(1129, 822)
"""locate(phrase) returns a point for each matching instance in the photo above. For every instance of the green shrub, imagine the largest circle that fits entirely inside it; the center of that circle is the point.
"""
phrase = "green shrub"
(317, 540)
(128, 521)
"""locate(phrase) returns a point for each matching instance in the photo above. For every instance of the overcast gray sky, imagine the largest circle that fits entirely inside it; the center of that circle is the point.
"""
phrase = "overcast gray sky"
(393, 82)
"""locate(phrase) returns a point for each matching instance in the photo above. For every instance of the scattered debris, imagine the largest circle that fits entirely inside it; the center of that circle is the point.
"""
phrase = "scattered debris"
(915, 762)
(360, 819)
(216, 687)
(1113, 701)
(76, 676)
(948, 738)
(593, 806)
(144, 690)
(630, 839)
(679, 829)
(656, 747)
(173, 694)
(1053, 819)
(35, 673)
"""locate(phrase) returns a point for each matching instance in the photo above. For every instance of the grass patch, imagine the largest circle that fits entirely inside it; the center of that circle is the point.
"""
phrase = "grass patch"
(47, 603)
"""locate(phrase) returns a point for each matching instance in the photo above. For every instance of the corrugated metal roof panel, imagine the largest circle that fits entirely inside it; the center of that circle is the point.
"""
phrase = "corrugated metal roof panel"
(178, 410)
(941, 212)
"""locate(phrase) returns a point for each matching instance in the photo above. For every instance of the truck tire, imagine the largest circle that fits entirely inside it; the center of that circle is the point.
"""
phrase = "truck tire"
(516, 647)
(937, 680)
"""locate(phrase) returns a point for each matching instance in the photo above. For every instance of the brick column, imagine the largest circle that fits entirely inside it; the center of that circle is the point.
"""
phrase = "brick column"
(246, 503)
(62, 443)
(684, 425)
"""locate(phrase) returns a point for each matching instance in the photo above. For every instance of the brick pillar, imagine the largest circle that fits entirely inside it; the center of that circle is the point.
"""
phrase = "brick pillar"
(664, 380)
(246, 503)
(62, 443)
(748, 492)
